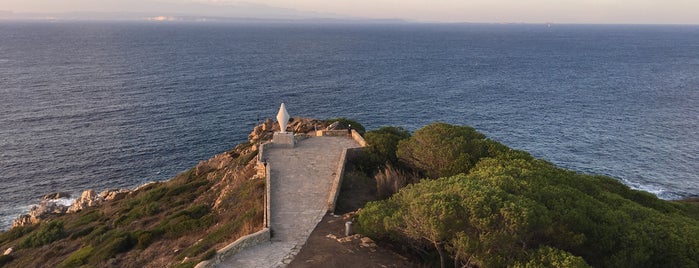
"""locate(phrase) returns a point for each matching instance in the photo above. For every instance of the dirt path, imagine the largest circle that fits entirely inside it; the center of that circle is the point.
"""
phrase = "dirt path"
(328, 247)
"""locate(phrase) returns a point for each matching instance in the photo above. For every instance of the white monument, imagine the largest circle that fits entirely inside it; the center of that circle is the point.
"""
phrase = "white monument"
(283, 118)
(283, 138)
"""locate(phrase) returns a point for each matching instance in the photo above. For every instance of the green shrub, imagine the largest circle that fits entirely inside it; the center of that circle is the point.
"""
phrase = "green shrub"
(221, 233)
(86, 218)
(442, 150)
(112, 243)
(382, 146)
(146, 238)
(47, 232)
(153, 195)
(82, 232)
(16, 233)
(187, 190)
(5, 259)
(97, 233)
(529, 213)
(78, 258)
(194, 218)
(551, 257)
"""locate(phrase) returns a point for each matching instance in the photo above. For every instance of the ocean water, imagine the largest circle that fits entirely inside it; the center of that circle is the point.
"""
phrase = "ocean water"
(112, 105)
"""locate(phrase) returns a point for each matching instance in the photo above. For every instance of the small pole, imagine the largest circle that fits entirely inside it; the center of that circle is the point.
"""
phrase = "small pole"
(348, 228)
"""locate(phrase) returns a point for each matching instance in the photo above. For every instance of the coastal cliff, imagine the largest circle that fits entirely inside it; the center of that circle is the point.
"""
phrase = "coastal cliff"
(442, 195)
(179, 222)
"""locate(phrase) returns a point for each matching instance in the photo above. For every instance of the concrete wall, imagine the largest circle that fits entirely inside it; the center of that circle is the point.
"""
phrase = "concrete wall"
(268, 193)
(235, 247)
(332, 133)
(337, 182)
(338, 133)
(264, 235)
(347, 154)
(358, 138)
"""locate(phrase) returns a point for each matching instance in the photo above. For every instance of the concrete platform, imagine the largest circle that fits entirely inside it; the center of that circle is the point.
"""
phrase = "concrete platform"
(301, 179)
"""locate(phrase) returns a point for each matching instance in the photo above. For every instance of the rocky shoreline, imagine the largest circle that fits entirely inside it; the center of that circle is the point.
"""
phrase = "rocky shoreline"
(54, 204)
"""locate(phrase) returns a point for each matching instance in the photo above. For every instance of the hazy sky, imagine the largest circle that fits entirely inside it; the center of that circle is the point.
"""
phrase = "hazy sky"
(536, 11)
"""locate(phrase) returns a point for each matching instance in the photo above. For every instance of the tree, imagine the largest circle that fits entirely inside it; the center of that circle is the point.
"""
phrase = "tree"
(514, 210)
(552, 257)
(431, 216)
(383, 144)
(442, 150)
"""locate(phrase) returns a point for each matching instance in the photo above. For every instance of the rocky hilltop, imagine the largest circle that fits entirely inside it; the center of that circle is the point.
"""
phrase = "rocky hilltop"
(179, 222)
(54, 204)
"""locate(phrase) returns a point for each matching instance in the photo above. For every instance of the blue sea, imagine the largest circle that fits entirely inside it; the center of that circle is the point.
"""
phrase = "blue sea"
(97, 105)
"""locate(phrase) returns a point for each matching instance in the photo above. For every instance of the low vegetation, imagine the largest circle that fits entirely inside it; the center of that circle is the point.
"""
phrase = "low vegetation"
(481, 204)
(447, 195)
(175, 223)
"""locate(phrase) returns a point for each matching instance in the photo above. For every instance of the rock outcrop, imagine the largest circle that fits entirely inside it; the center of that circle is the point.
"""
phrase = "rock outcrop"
(56, 195)
(24, 220)
(305, 125)
(89, 198)
(49, 205)
(265, 130)
(39, 212)
(114, 195)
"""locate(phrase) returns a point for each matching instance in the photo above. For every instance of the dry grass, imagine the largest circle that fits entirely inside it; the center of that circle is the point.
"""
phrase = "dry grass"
(390, 180)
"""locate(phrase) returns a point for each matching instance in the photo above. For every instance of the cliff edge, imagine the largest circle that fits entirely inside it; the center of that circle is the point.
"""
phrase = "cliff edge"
(175, 223)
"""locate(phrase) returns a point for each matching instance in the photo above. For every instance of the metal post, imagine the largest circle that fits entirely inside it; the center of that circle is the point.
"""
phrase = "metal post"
(348, 228)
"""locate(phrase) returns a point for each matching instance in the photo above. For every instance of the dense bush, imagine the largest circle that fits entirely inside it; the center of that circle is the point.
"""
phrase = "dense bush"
(111, 243)
(47, 232)
(16, 233)
(382, 146)
(5, 259)
(506, 210)
(513, 210)
(78, 258)
(441, 149)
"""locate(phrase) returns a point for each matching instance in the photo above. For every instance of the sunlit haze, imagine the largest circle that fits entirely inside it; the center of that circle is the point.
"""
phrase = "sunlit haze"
(496, 11)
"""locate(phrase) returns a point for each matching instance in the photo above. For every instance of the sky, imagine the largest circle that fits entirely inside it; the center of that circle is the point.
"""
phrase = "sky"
(493, 11)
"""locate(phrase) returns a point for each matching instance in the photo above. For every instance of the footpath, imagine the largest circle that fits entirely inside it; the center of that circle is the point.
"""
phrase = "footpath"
(301, 182)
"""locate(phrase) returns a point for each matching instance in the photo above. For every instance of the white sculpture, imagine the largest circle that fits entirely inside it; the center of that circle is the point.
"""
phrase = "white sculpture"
(283, 118)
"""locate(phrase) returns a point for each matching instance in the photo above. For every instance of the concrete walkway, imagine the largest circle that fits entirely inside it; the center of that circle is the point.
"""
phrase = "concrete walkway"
(301, 179)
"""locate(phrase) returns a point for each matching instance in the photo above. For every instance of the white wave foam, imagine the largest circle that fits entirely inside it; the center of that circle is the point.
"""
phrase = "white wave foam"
(657, 190)
(63, 201)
